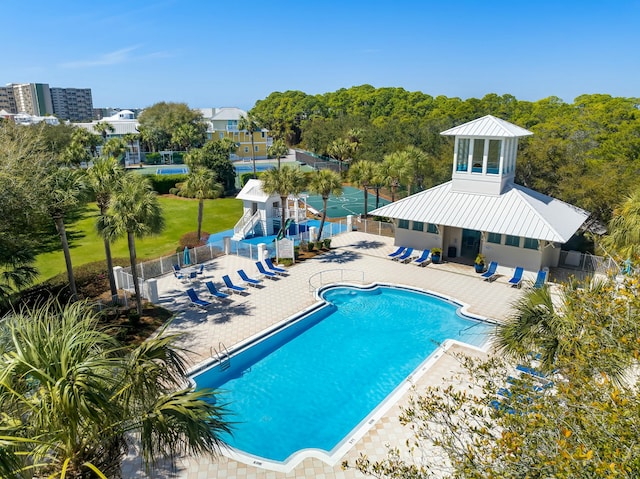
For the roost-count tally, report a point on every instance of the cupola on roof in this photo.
(488, 126)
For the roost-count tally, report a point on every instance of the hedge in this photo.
(163, 184)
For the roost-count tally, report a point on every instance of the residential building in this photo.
(223, 123)
(123, 123)
(7, 100)
(74, 104)
(482, 210)
(32, 98)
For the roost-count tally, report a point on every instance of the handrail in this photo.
(313, 288)
(247, 223)
(242, 221)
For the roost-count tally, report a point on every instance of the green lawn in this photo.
(181, 216)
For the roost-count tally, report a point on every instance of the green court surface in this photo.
(350, 203)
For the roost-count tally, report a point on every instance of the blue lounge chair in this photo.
(397, 252)
(540, 279)
(517, 277)
(531, 371)
(250, 281)
(214, 291)
(264, 272)
(490, 274)
(200, 269)
(423, 258)
(200, 303)
(232, 287)
(404, 257)
(273, 267)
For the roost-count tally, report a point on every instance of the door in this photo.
(470, 243)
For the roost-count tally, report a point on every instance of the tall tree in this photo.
(104, 177)
(201, 185)
(115, 148)
(104, 128)
(249, 124)
(278, 149)
(82, 147)
(134, 211)
(131, 139)
(71, 395)
(159, 122)
(342, 150)
(63, 191)
(187, 136)
(362, 174)
(215, 155)
(325, 183)
(283, 182)
(416, 168)
(393, 169)
(624, 228)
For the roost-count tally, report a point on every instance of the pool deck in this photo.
(355, 257)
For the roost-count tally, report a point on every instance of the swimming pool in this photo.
(172, 170)
(304, 388)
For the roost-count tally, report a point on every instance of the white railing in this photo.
(247, 222)
(321, 278)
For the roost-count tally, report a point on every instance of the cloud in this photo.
(117, 57)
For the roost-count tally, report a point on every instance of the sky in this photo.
(214, 53)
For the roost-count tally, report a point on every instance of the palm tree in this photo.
(362, 174)
(341, 150)
(416, 167)
(624, 228)
(325, 183)
(201, 184)
(135, 212)
(104, 128)
(278, 149)
(115, 147)
(248, 123)
(283, 182)
(104, 177)
(131, 139)
(393, 170)
(64, 189)
(70, 412)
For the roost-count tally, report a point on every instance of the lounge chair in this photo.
(517, 277)
(531, 371)
(274, 268)
(200, 303)
(200, 269)
(540, 279)
(232, 287)
(214, 291)
(397, 252)
(423, 259)
(264, 272)
(404, 257)
(490, 274)
(250, 281)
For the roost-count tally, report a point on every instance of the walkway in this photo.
(247, 315)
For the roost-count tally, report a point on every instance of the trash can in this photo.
(451, 252)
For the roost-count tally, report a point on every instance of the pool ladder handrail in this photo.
(222, 355)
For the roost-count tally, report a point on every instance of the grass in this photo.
(181, 216)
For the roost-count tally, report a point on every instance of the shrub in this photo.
(311, 246)
(190, 240)
(152, 159)
(162, 184)
(286, 261)
(173, 191)
(327, 243)
(244, 177)
(178, 158)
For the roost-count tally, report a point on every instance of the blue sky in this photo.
(232, 53)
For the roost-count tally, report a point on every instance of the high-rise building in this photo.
(7, 101)
(32, 98)
(73, 104)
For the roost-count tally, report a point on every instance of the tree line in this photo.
(586, 153)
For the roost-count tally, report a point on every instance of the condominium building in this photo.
(7, 101)
(32, 98)
(73, 104)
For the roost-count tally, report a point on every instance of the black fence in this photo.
(320, 162)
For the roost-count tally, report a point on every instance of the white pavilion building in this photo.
(482, 210)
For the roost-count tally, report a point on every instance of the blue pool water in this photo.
(173, 170)
(310, 383)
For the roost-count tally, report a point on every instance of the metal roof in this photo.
(487, 126)
(252, 191)
(518, 211)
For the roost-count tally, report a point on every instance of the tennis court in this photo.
(350, 203)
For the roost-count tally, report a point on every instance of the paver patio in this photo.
(355, 257)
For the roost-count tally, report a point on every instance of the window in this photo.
(493, 157)
(418, 226)
(246, 149)
(404, 224)
(262, 134)
(221, 135)
(512, 240)
(478, 155)
(494, 238)
(462, 160)
(531, 243)
(431, 228)
(255, 148)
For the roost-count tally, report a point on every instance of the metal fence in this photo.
(320, 162)
(583, 265)
(379, 228)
